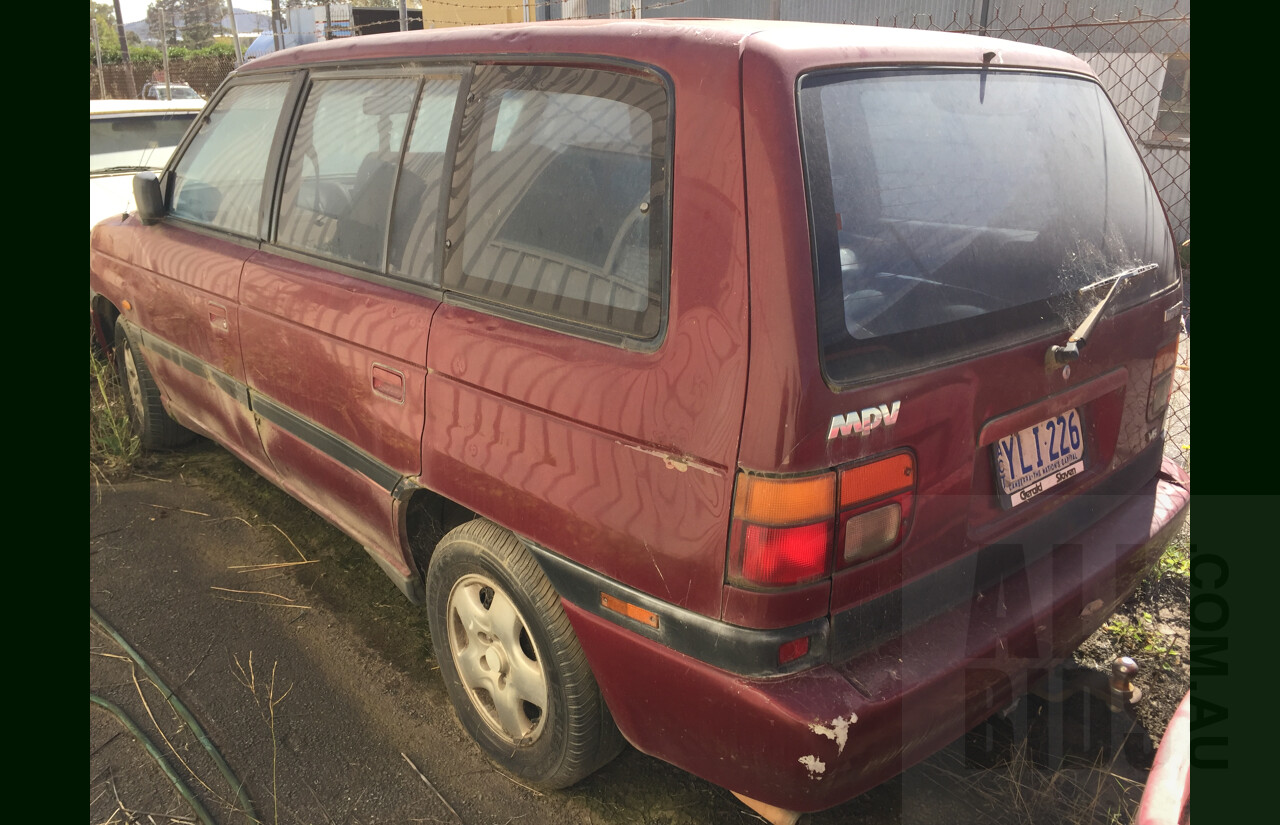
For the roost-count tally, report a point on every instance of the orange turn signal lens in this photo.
(868, 482)
(1162, 379)
(778, 502)
(629, 610)
(876, 500)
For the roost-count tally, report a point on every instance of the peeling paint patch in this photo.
(814, 766)
(838, 730)
(672, 462)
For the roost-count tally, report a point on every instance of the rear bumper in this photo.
(811, 740)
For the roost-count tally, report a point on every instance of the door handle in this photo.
(388, 383)
(218, 317)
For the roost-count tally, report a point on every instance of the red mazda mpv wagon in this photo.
(779, 398)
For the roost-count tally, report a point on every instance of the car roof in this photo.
(651, 40)
(120, 107)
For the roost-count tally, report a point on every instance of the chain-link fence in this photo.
(200, 73)
(1144, 62)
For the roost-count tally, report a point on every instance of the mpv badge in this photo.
(865, 421)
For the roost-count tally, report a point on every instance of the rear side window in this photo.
(415, 217)
(958, 211)
(219, 179)
(562, 211)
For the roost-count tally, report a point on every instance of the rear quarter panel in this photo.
(615, 458)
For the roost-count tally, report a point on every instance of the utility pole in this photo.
(97, 49)
(404, 15)
(124, 51)
(277, 29)
(235, 34)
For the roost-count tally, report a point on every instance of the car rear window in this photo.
(958, 211)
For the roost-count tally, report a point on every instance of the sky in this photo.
(135, 10)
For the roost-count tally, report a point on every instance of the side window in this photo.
(414, 218)
(561, 208)
(343, 166)
(219, 179)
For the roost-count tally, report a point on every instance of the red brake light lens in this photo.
(785, 555)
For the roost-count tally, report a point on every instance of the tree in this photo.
(103, 10)
(105, 15)
(170, 14)
(201, 20)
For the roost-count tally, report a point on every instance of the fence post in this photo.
(164, 46)
(97, 50)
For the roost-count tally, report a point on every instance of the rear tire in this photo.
(516, 675)
(153, 426)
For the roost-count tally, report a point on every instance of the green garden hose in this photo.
(201, 813)
(245, 805)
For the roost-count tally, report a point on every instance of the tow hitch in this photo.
(1116, 691)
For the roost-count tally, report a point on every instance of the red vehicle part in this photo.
(813, 739)
(1167, 798)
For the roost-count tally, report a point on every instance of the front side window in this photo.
(343, 166)
(562, 211)
(953, 212)
(220, 177)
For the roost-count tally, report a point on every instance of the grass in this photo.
(1137, 632)
(1018, 791)
(268, 712)
(1175, 561)
(1141, 635)
(113, 446)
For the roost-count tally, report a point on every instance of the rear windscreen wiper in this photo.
(1071, 351)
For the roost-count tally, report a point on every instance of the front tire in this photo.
(516, 675)
(153, 426)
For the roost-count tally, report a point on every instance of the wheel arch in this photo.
(103, 315)
(425, 516)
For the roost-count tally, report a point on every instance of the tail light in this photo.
(1162, 379)
(875, 505)
(782, 529)
(791, 531)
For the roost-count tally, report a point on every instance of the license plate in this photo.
(1040, 457)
